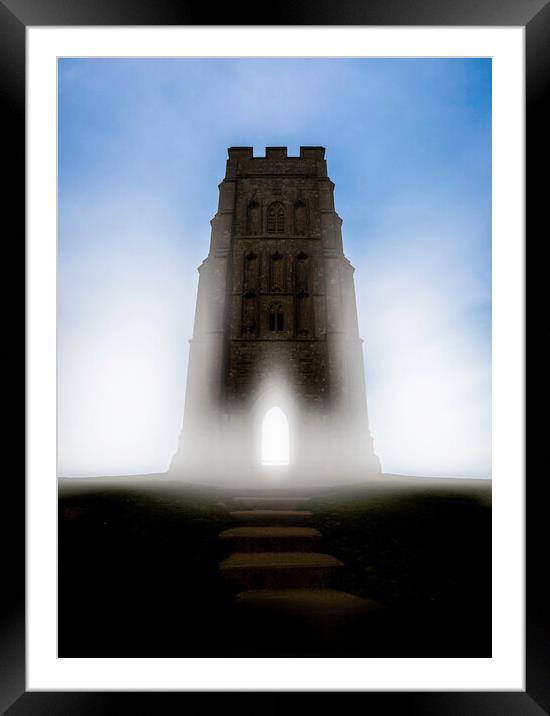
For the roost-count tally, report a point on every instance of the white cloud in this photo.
(127, 300)
(427, 365)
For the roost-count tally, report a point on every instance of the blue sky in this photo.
(142, 148)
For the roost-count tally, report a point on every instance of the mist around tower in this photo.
(275, 384)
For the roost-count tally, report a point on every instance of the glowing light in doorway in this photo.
(275, 438)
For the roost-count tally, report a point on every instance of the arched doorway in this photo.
(275, 438)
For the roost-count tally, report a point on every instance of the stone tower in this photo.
(276, 325)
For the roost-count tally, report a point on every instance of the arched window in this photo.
(253, 218)
(276, 318)
(276, 273)
(302, 271)
(276, 218)
(249, 312)
(303, 313)
(300, 218)
(251, 270)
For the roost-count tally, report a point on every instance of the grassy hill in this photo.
(138, 572)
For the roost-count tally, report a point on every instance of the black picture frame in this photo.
(15, 17)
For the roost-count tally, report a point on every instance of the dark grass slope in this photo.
(425, 554)
(138, 571)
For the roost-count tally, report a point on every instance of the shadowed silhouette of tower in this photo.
(276, 326)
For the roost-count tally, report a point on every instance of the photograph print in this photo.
(274, 357)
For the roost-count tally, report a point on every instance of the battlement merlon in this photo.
(242, 162)
(241, 153)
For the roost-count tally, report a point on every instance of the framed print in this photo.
(111, 605)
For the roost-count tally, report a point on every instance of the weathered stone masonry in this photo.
(276, 321)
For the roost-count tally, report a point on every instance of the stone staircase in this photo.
(277, 567)
(272, 539)
(271, 518)
(280, 570)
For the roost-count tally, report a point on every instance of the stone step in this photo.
(271, 517)
(271, 539)
(307, 602)
(280, 570)
(294, 620)
(270, 503)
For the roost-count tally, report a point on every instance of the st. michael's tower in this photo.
(276, 330)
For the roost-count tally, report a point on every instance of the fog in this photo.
(142, 147)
